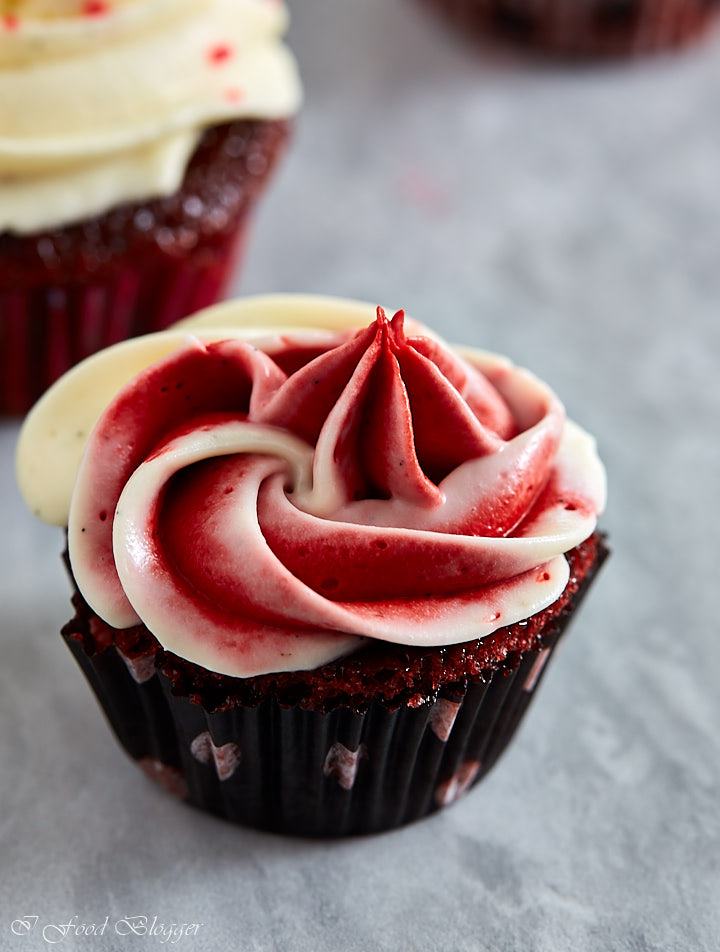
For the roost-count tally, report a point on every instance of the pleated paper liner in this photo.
(46, 331)
(308, 772)
(592, 28)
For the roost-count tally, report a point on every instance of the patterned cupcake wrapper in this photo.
(588, 27)
(48, 329)
(289, 770)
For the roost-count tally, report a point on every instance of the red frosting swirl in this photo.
(263, 510)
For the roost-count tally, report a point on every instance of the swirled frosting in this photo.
(268, 503)
(103, 101)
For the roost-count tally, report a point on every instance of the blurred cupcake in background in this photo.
(136, 137)
(586, 27)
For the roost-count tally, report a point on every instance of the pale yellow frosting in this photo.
(103, 102)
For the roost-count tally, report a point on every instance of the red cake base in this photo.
(586, 28)
(364, 744)
(69, 292)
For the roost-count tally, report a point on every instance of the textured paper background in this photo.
(572, 220)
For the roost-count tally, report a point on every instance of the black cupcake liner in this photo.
(304, 772)
(289, 770)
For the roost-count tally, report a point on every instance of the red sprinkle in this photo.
(10, 21)
(220, 53)
(234, 94)
(95, 8)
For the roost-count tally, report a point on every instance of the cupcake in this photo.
(136, 137)
(586, 27)
(320, 559)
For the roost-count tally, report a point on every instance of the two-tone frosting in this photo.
(104, 101)
(268, 500)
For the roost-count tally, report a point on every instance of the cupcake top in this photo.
(276, 481)
(104, 101)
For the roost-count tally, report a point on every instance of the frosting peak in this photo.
(392, 416)
(264, 504)
(371, 406)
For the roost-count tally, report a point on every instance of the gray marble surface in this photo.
(572, 220)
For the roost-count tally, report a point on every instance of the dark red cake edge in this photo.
(394, 674)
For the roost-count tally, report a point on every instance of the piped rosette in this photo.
(269, 504)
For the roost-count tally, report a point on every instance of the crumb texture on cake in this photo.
(393, 674)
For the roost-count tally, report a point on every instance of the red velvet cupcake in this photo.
(586, 27)
(135, 142)
(320, 561)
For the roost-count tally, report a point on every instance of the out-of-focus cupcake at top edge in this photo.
(579, 28)
(136, 137)
(320, 558)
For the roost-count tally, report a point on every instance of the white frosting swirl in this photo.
(263, 508)
(104, 101)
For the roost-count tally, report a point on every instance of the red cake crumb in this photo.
(95, 8)
(395, 674)
(220, 53)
